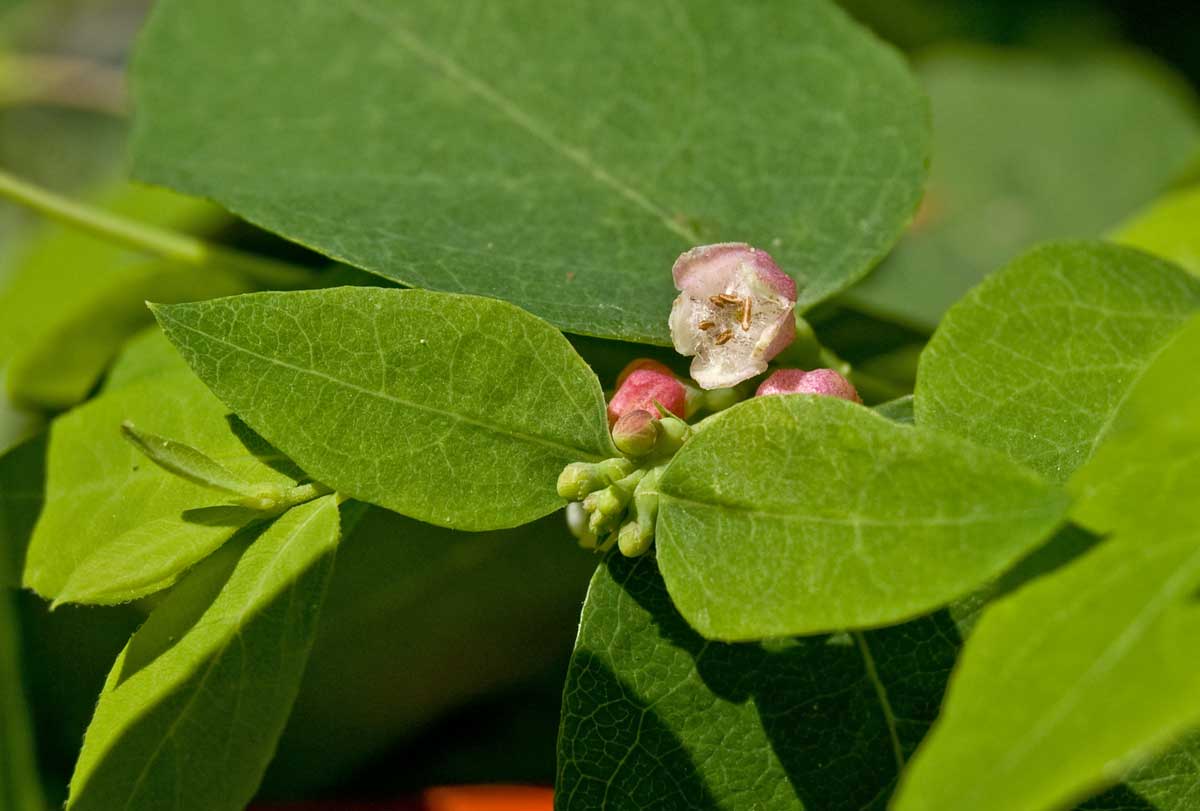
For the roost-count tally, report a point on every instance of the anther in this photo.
(724, 337)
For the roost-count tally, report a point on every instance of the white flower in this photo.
(733, 314)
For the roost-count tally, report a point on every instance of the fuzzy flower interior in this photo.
(733, 313)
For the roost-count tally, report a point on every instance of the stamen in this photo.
(746, 305)
(717, 301)
(729, 298)
(723, 338)
(706, 325)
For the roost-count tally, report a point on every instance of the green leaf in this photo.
(1167, 783)
(557, 156)
(115, 526)
(438, 621)
(455, 410)
(147, 354)
(797, 514)
(1081, 674)
(1168, 229)
(74, 299)
(898, 410)
(1035, 361)
(192, 709)
(654, 716)
(1017, 159)
(20, 785)
(22, 491)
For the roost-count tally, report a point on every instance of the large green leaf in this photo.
(115, 526)
(456, 410)
(439, 619)
(654, 716)
(74, 298)
(556, 155)
(192, 709)
(1170, 228)
(20, 784)
(1037, 359)
(1069, 681)
(1027, 149)
(798, 514)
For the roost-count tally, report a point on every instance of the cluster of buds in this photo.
(733, 315)
(615, 502)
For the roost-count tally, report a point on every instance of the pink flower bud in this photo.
(643, 363)
(636, 433)
(733, 314)
(825, 382)
(641, 388)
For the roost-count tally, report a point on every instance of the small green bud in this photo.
(673, 432)
(721, 399)
(635, 433)
(606, 507)
(580, 478)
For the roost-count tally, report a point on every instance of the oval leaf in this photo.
(796, 514)
(455, 410)
(191, 711)
(560, 156)
(1035, 361)
(1068, 681)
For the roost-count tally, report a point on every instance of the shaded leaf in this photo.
(654, 716)
(115, 526)
(73, 298)
(1017, 159)
(420, 620)
(455, 410)
(1035, 361)
(20, 784)
(22, 491)
(798, 514)
(898, 410)
(560, 157)
(192, 709)
(1071, 680)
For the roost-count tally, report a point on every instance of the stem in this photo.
(63, 81)
(305, 492)
(162, 242)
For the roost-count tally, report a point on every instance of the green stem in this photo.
(162, 242)
(305, 492)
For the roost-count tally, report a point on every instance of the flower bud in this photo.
(577, 523)
(605, 508)
(642, 388)
(733, 313)
(643, 363)
(580, 478)
(636, 433)
(825, 382)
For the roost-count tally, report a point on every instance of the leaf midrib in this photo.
(858, 521)
(568, 451)
(473, 84)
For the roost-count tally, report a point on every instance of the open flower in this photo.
(733, 313)
(825, 382)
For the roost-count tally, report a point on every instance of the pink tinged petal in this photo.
(824, 382)
(733, 314)
(641, 389)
